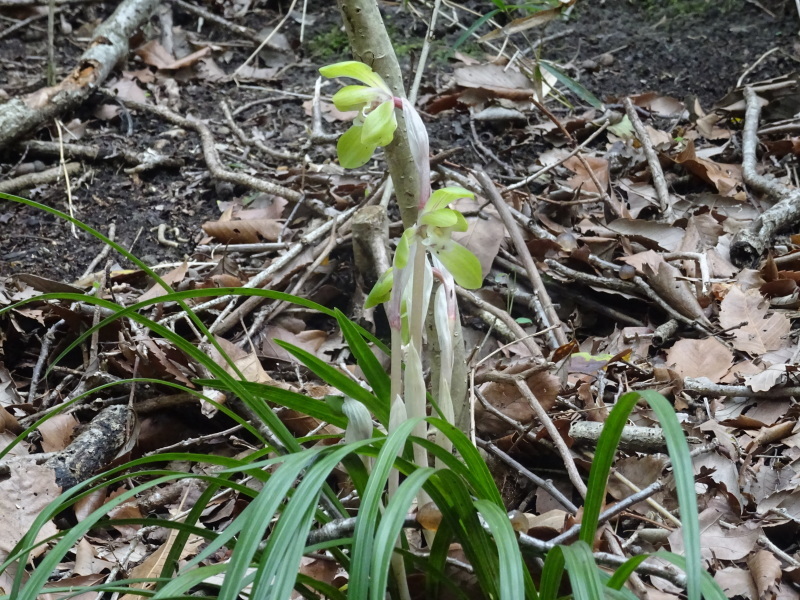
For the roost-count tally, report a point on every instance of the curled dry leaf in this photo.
(678, 293)
(251, 231)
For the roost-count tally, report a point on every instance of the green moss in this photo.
(330, 44)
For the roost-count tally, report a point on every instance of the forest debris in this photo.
(108, 46)
(750, 244)
(760, 334)
(94, 448)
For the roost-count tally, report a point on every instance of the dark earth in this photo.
(684, 48)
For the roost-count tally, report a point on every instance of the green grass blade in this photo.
(625, 570)
(339, 380)
(552, 574)
(473, 28)
(371, 502)
(572, 85)
(389, 530)
(584, 574)
(277, 571)
(710, 588)
(373, 371)
(451, 495)
(511, 580)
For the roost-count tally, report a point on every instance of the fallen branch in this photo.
(31, 180)
(109, 45)
(750, 244)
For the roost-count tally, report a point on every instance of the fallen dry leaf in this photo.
(760, 333)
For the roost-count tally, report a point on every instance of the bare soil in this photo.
(684, 49)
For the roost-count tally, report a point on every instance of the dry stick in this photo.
(535, 479)
(109, 45)
(241, 30)
(750, 244)
(24, 182)
(423, 55)
(555, 436)
(215, 166)
(249, 305)
(267, 39)
(264, 247)
(283, 260)
(20, 24)
(662, 192)
(548, 168)
(318, 134)
(549, 317)
(584, 163)
(141, 161)
(514, 328)
(47, 342)
(702, 385)
(254, 142)
(112, 232)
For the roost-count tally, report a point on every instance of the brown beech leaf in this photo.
(678, 293)
(700, 358)
(761, 333)
(582, 179)
(175, 276)
(496, 80)
(726, 178)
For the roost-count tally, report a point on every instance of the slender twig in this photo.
(533, 477)
(662, 192)
(549, 316)
(555, 437)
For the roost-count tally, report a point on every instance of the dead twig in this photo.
(515, 330)
(750, 244)
(251, 141)
(109, 45)
(140, 161)
(30, 180)
(548, 316)
(531, 476)
(662, 192)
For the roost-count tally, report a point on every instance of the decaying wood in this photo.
(108, 46)
(634, 439)
(93, 449)
(749, 244)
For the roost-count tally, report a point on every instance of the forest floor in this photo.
(683, 63)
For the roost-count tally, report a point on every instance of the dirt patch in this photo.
(683, 49)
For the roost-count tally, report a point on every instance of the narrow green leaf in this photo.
(373, 371)
(364, 534)
(338, 380)
(572, 85)
(388, 531)
(474, 27)
(510, 559)
(584, 574)
(710, 588)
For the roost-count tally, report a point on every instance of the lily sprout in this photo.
(376, 122)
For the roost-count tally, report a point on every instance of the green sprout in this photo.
(376, 122)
